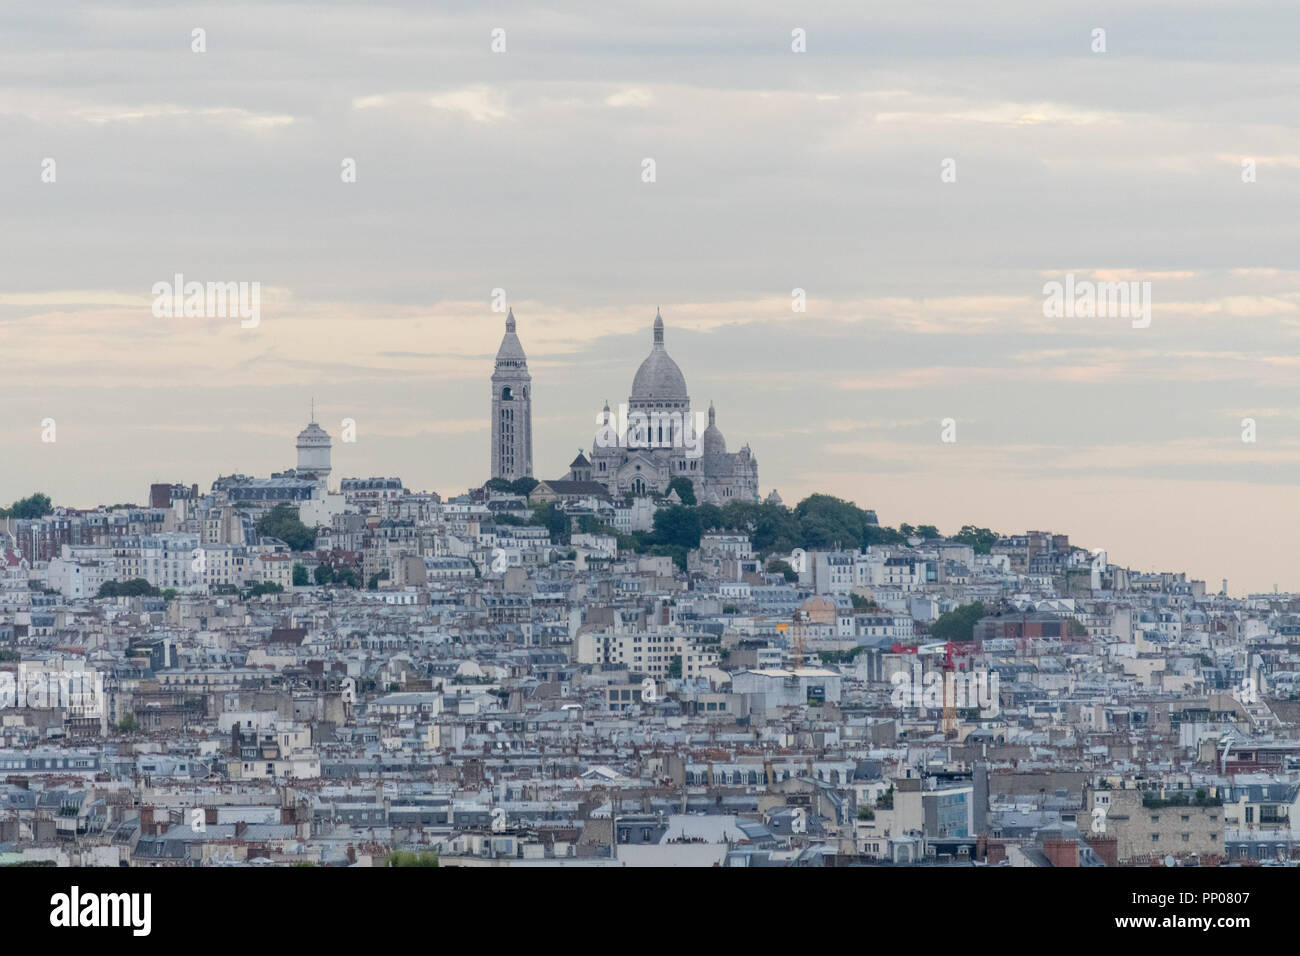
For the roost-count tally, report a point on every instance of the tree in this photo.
(403, 858)
(874, 534)
(35, 505)
(497, 484)
(300, 578)
(524, 486)
(282, 522)
(777, 566)
(928, 531)
(981, 539)
(828, 522)
(710, 517)
(128, 724)
(677, 526)
(959, 623)
(136, 587)
(554, 520)
(861, 603)
(675, 667)
(347, 577)
(265, 587)
(590, 524)
(169, 594)
(685, 489)
(323, 574)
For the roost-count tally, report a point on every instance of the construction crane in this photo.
(948, 649)
(949, 693)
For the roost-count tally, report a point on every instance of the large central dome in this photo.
(659, 379)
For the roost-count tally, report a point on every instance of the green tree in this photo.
(677, 526)
(136, 587)
(403, 858)
(590, 524)
(777, 566)
(675, 667)
(710, 517)
(128, 724)
(685, 489)
(347, 577)
(300, 578)
(959, 623)
(282, 522)
(524, 486)
(265, 587)
(323, 574)
(36, 505)
(498, 484)
(874, 534)
(981, 539)
(928, 531)
(861, 603)
(554, 520)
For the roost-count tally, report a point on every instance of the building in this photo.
(314, 452)
(512, 409)
(661, 440)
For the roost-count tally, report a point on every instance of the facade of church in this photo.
(661, 439)
(657, 440)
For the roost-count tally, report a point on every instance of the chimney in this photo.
(1061, 853)
(1106, 847)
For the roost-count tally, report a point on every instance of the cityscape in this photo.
(644, 661)
(854, 442)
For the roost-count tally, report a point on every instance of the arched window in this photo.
(506, 395)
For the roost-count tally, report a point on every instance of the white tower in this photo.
(314, 451)
(512, 409)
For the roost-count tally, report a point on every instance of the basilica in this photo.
(653, 439)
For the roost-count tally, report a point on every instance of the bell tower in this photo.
(512, 409)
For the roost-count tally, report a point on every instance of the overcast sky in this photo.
(774, 170)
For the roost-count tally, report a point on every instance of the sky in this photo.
(921, 171)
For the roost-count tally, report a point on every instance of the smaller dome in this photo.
(714, 445)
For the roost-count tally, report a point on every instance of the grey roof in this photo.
(659, 379)
(511, 350)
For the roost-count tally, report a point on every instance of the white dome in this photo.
(659, 379)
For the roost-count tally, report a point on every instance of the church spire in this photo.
(510, 320)
(659, 328)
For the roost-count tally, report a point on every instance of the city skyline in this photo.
(823, 171)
